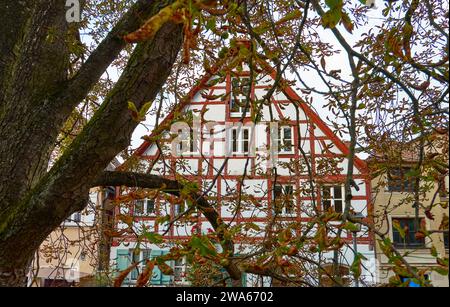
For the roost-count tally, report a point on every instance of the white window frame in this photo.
(283, 186)
(180, 267)
(177, 208)
(332, 197)
(238, 137)
(281, 140)
(186, 143)
(241, 98)
(145, 210)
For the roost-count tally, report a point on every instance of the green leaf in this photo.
(132, 107)
(203, 247)
(211, 23)
(253, 226)
(361, 106)
(331, 18)
(348, 25)
(145, 109)
(350, 227)
(399, 228)
(333, 3)
(154, 237)
(355, 268)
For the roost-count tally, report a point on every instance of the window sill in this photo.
(286, 152)
(239, 115)
(412, 248)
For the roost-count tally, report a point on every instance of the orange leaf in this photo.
(123, 274)
(145, 275)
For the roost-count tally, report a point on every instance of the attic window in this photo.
(240, 90)
(187, 142)
(400, 180)
(285, 140)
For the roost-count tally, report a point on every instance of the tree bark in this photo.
(39, 98)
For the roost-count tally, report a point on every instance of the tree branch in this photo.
(108, 50)
(129, 179)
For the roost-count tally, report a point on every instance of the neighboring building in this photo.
(69, 252)
(73, 254)
(393, 203)
(221, 98)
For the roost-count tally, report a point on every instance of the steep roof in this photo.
(284, 87)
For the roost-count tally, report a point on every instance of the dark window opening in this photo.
(283, 197)
(401, 180)
(332, 197)
(409, 228)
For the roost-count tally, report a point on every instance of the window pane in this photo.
(234, 107)
(288, 190)
(139, 207)
(245, 149)
(326, 204)
(338, 206)
(287, 133)
(234, 140)
(287, 145)
(277, 191)
(409, 241)
(289, 208)
(150, 206)
(326, 192)
(246, 134)
(245, 140)
(338, 192)
(146, 254)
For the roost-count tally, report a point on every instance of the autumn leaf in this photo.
(123, 274)
(428, 214)
(146, 274)
(407, 33)
(348, 25)
(323, 63)
(149, 29)
(399, 228)
(165, 269)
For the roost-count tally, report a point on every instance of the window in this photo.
(75, 217)
(178, 270)
(143, 207)
(400, 181)
(137, 258)
(240, 140)
(409, 240)
(332, 197)
(240, 89)
(178, 209)
(157, 278)
(285, 140)
(186, 145)
(283, 197)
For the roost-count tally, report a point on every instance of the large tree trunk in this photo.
(36, 99)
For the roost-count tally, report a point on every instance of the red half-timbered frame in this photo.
(313, 121)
